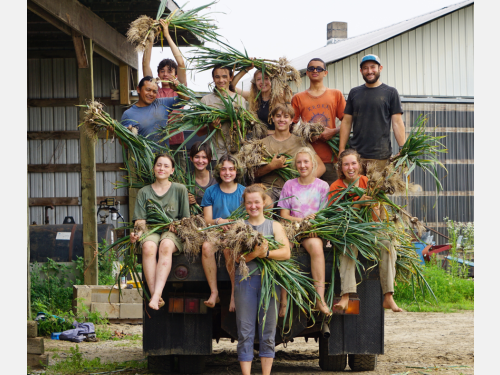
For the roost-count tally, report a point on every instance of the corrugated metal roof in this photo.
(350, 46)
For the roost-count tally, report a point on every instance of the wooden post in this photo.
(124, 84)
(29, 277)
(88, 173)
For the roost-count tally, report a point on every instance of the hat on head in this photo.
(370, 58)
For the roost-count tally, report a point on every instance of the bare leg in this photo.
(149, 249)
(167, 248)
(246, 367)
(267, 364)
(389, 303)
(314, 246)
(283, 304)
(230, 270)
(342, 305)
(210, 268)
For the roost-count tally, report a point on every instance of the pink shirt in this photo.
(167, 92)
(305, 199)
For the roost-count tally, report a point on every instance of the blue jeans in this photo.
(247, 300)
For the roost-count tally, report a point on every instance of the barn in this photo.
(429, 59)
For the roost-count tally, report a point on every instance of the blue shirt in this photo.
(149, 119)
(223, 204)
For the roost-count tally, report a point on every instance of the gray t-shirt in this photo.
(175, 202)
(266, 228)
(199, 190)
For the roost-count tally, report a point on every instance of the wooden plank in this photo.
(63, 134)
(35, 359)
(32, 330)
(62, 168)
(69, 201)
(35, 345)
(69, 102)
(81, 54)
(88, 173)
(124, 84)
(72, 15)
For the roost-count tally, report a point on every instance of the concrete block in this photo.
(102, 295)
(82, 296)
(131, 295)
(32, 329)
(112, 309)
(35, 359)
(130, 310)
(35, 346)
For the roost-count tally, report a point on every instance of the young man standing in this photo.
(320, 104)
(168, 70)
(370, 110)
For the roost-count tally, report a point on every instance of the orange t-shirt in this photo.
(324, 109)
(339, 185)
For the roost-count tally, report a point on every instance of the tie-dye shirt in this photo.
(304, 199)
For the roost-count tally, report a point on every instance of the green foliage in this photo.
(76, 364)
(452, 293)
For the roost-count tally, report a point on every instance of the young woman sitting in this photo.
(201, 155)
(349, 170)
(300, 199)
(173, 198)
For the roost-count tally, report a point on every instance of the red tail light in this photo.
(181, 272)
(192, 305)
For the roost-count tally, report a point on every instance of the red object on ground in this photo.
(427, 253)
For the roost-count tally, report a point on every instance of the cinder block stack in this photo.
(36, 351)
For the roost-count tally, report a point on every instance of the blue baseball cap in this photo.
(370, 58)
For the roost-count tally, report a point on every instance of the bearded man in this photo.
(370, 110)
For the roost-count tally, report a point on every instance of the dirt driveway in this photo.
(415, 343)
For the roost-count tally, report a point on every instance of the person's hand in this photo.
(225, 228)
(278, 162)
(134, 237)
(171, 228)
(260, 251)
(393, 157)
(327, 134)
(309, 217)
(216, 124)
(313, 235)
(250, 67)
(365, 198)
(192, 199)
(164, 25)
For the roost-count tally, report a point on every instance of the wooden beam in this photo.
(88, 172)
(81, 55)
(69, 201)
(72, 15)
(65, 168)
(63, 134)
(124, 84)
(28, 269)
(68, 102)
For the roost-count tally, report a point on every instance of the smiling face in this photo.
(304, 164)
(200, 160)
(350, 167)
(282, 121)
(370, 71)
(148, 92)
(263, 85)
(254, 204)
(228, 172)
(163, 168)
(222, 79)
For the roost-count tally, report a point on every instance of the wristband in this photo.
(217, 221)
(400, 148)
(267, 256)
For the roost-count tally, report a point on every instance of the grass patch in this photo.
(76, 364)
(452, 292)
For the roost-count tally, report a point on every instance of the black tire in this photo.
(330, 362)
(161, 364)
(191, 364)
(363, 362)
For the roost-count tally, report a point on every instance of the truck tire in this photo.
(362, 362)
(161, 364)
(191, 364)
(330, 362)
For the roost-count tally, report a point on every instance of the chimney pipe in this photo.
(336, 32)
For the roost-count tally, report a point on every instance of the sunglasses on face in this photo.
(319, 69)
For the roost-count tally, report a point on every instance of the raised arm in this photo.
(146, 60)
(345, 130)
(181, 66)
(236, 79)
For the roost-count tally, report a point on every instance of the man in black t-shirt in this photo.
(370, 110)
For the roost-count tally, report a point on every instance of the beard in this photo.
(375, 79)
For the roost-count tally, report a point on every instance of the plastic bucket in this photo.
(419, 246)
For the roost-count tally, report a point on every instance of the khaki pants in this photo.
(381, 164)
(387, 269)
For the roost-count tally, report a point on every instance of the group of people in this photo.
(369, 111)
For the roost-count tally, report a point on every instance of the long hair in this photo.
(343, 154)
(236, 163)
(200, 146)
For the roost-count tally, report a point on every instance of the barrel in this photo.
(62, 242)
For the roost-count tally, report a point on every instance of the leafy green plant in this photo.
(462, 246)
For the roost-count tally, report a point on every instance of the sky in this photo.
(271, 29)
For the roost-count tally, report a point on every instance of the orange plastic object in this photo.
(352, 307)
(175, 305)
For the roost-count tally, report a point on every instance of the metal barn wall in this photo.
(57, 78)
(436, 59)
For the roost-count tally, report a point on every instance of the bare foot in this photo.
(343, 303)
(154, 302)
(282, 311)
(214, 298)
(389, 303)
(161, 303)
(232, 305)
(321, 306)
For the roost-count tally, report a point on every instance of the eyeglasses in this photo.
(319, 69)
